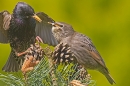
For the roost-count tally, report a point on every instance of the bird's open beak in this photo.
(55, 24)
(37, 18)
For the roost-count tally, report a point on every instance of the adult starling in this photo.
(79, 47)
(20, 29)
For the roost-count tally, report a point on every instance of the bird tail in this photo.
(11, 64)
(105, 72)
(110, 79)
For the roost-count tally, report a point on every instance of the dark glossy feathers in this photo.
(42, 29)
(20, 30)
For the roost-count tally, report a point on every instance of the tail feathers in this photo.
(105, 72)
(110, 79)
(11, 64)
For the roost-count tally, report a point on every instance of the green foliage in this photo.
(44, 74)
(40, 72)
(106, 22)
(12, 80)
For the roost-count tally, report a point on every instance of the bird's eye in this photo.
(61, 25)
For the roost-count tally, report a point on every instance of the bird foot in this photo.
(28, 65)
(22, 53)
(39, 39)
(76, 83)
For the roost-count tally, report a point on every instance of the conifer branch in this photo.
(47, 73)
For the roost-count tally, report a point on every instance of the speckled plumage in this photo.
(20, 30)
(21, 33)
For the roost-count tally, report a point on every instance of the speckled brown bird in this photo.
(77, 47)
(21, 29)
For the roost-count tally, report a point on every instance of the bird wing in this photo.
(5, 18)
(44, 30)
(83, 44)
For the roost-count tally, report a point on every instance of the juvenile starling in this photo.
(20, 29)
(81, 47)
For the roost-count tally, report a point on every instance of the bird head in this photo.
(61, 30)
(24, 10)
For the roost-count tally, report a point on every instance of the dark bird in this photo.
(77, 47)
(21, 29)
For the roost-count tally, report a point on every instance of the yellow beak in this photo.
(37, 18)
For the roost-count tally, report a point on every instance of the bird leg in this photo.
(39, 39)
(25, 52)
(28, 65)
(22, 53)
(76, 83)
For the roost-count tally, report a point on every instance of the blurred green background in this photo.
(106, 22)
